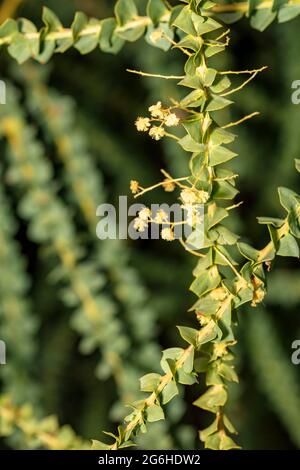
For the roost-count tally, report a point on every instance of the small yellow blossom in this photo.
(203, 196)
(188, 196)
(169, 185)
(156, 110)
(258, 297)
(142, 124)
(259, 292)
(202, 319)
(134, 186)
(167, 234)
(219, 293)
(140, 224)
(161, 217)
(145, 213)
(220, 349)
(193, 216)
(172, 120)
(156, 132)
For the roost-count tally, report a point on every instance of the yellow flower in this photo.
(203, 196)
(140, 224)
(203, 320)
(258, 297)
(167, 234)
(134, 186)
(169, 185)
(156, 110)
(156, 132)
(145, 213)
(193, 216)
(188, 196)
(161, 217)
(142, 124)
(193, 196)
(172, 120)
(218, 293)
(220, 349)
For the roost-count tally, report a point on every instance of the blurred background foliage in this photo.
(83, 319)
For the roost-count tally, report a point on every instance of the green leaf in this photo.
(228, 372)
(224, 235)
(194, 128)
(184, 21)
(204, 26)
(154, 413)
(288, 12)
(224, 190)
(248, 251)
(220, 136)
(288, 246)
(190, 145)
(212, 399)
(170, 353)
(211, 429)
(189, 335)
(109, 41)
(261, 19)
(227, 443)
(220, 84)
(252, 4)
(294, 220)
(213, 441)
(188, 365)
(212, 376)
(297, 165)
(288, 198)
(8, 28)
(228, 424)
(186, 379)
(46, 52)
(194, 43)
(202, 265)
(156, 9)
(207, 333)
(51, 20)
(79, 23)
(149, 382)
(219, 154)
(98, 445)
(20, 48)
(86, 44)
(125, 11)
(169, 392)
(215, 215)
(193, 99)
(270, 221)
(158, 37)
(217, 102)
(206, 282)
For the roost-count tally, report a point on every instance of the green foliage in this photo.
(18, 325)
(37, 434)
(222, 281)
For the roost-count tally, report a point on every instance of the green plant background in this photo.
(55, 360)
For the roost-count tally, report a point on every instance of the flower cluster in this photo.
(190, 198)
(194, 196)
(145, 217)
(162, 117)
(134, 187)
